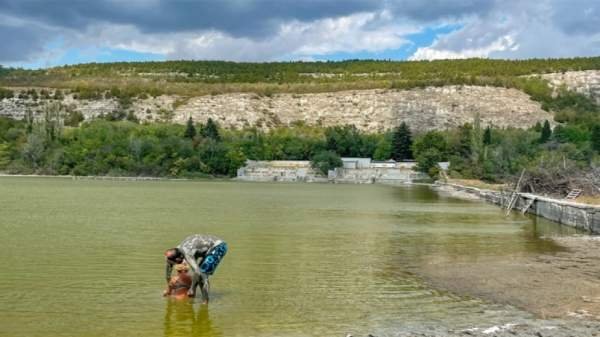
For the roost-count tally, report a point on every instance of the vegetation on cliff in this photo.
(212, 77)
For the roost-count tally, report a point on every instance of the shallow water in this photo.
(84, 258)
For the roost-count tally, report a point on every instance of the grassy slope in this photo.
(214, 77)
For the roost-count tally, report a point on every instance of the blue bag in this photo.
(213, 258)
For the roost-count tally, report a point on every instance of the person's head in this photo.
(174, 256)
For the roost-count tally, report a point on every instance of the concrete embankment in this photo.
(353, 171)
(581, 216)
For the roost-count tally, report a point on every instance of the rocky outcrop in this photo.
(369, 110)
(584, 82)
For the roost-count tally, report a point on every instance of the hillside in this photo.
(489, 119)
(192, 78)
(372, 95)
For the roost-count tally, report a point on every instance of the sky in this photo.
(46, 33)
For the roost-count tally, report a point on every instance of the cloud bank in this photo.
(268, 30)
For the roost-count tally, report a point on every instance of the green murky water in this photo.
(84, 258)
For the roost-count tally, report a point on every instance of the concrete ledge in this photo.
(581, 216)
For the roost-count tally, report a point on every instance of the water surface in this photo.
(84, 258)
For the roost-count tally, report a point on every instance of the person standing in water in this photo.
(202, 253)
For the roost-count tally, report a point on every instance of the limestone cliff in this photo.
(370, 110)
(584, 82)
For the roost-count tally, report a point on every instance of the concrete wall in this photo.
(586, 217)
(300, 171)
(279, 170)
(402, 173)
(581, 216)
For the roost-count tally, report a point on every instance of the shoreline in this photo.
(562, 285)
(565, 212)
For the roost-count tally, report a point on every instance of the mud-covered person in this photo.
(179, 284)
(202, 253)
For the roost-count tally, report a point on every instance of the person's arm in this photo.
(168, 271)
(192, 263)
(169, 289)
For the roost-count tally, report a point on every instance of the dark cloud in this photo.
(577, 16)
(432, 10)
(247, 18)
(19, 43)
(217, 28)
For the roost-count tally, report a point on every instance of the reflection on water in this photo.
(184, 318)
(84, 258)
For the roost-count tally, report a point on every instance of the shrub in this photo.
(324, 161)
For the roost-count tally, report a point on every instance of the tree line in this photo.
(187, 77)
(102, 147)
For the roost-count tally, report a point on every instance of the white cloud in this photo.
(523, 29)
(267, 30)
(293, 40)
(503, 43)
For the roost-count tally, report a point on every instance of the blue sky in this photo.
(36, 35)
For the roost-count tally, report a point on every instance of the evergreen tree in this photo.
(476, 140)
(190, 129)
(464, 140)
(211, 130)
(4, 155)
(546, 132)
(487, 136)
(596, 137)
(402, 143)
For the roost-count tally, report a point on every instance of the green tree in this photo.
(4, 155)
(487, 136)
(73, 118)
(465, 135)
(476, 140)
(546, 132)
(431, 140)
(402, 143)
(344, 140)
(428, 160)
(53, 121)
(190, 129)
(325, 161)
(211, 130)
(383, 151)
(33, 150)
(595, 137)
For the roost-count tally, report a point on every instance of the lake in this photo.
(85, 257)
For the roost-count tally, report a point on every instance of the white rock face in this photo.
(584, 82)
(369, 110)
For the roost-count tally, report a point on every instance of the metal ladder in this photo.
(515, 195)
(573, 194)
(528, 205)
